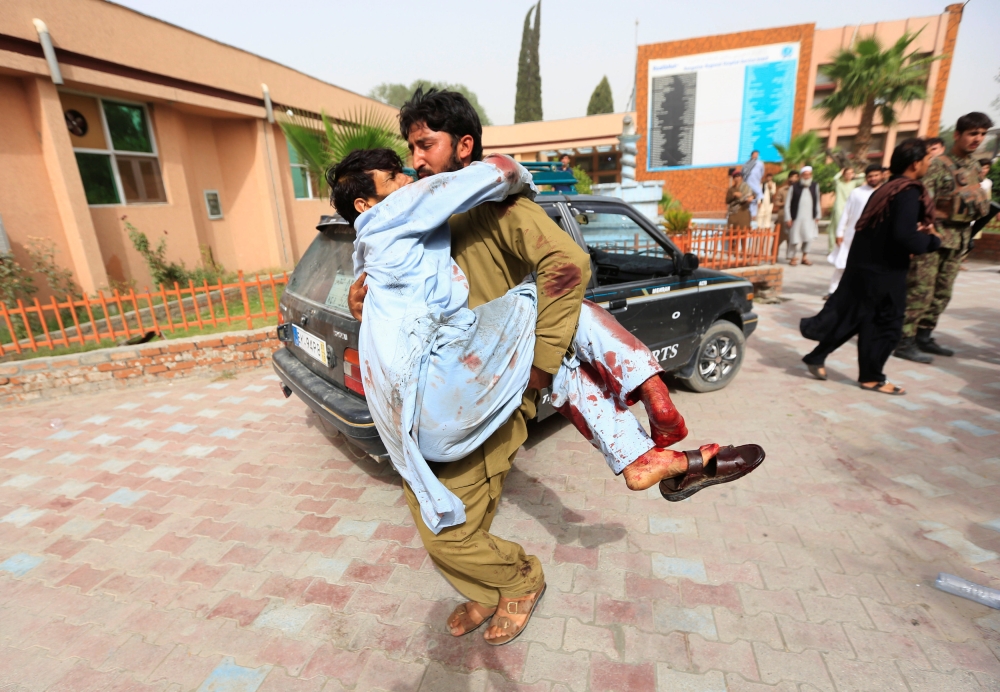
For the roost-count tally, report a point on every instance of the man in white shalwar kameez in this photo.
(853, 208)
(801, 214)
(753, 175)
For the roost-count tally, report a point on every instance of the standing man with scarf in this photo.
(897, 222)
(801, 215)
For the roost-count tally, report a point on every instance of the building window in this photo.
(304, 182)
(115, 150)
(602, 163)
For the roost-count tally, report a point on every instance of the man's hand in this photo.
(356, 297)
(840, 241)
(539, 379)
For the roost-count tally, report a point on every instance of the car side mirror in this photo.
(582, 219)
(687, 264)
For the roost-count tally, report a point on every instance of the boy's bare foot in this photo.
(666, 425)
(658, 463)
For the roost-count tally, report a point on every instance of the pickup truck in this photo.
(694, 320)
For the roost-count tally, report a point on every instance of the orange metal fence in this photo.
(717, 247)
(114, 315)
(724, 247)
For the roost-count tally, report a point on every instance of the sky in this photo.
(357, 45)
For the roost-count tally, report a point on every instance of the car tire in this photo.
(719, 357)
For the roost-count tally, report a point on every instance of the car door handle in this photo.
(617, 306)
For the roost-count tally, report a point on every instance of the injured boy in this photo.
(440, 378)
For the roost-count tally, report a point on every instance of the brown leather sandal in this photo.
(521, 606)
(729, 464)
(461, 617)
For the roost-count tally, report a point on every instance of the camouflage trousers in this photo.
(929, 285)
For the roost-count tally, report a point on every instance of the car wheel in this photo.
(720, 355)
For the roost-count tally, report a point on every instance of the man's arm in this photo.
(904, 210)
(562, 269)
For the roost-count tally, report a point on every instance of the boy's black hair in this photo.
(973, 121)
(443, 111)
(873, 168)
(907, 153)
(352, 178)
(931, 141)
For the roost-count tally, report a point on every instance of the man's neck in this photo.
(958, 152)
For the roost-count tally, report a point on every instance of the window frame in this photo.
(310, 187)
(111, 153)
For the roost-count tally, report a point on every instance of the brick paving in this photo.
(207, 535)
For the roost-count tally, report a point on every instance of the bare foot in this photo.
(666, 425)
(658, 463)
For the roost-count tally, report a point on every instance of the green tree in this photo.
(397, 94)
(359, 129)
(601, 100)
(807, 149)
(528, 99)
(875, 81)
(584, 183)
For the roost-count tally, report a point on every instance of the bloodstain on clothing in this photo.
(471, 361)
(577, 419)
(562, 280)
(503, 208)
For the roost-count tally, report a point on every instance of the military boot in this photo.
(908, 349)
(926, 343)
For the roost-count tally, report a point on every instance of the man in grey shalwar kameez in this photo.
(801, 214)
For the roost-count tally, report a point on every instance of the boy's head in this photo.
(443, 131)
(364, 178)
(910, 155)
(873, 174)
(935, 145)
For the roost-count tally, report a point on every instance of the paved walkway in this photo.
(206, 535)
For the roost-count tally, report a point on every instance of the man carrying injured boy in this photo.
(448, 384)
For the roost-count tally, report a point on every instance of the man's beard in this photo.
(454, 164)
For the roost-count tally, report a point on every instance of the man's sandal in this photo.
(880, 387)
(729, 464)
(521, 606)
(806, 261)
(793, 262)
(465, 620)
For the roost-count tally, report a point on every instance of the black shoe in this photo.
(926, 343)
(908, 350)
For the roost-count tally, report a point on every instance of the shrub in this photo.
(15, 281)
(583, 181)
(164, 273)
(676, 220)
(43, 261)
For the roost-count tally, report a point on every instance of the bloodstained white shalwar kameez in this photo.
(855, 204)
(441, 378)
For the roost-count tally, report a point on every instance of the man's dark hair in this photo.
(352, 178)
(443, 111)
(986, 162)
(932, 141)
(792, 172)
(755, 151)
(565, 156)
(973, 121)
(873, 168)
(907, 153)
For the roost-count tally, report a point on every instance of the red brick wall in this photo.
(767, 279)
(703, 190)
(987, 248)
(42, 378)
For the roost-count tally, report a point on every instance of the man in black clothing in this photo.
(871, 299)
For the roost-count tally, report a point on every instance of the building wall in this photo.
(206, 112)
(703, 190)
(27, 203)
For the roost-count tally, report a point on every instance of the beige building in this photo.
(591, 141)
(135, 117)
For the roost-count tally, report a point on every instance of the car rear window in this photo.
(325, 273)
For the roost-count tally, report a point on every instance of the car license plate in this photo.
(312, 345)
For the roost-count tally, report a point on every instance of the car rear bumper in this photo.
(346, 412)
(749, 323)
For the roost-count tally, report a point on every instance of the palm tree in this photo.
(875, 80)
(806, 149)
(359, 129)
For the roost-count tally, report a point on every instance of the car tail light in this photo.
(352, 371)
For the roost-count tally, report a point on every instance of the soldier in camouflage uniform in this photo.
(953, 182)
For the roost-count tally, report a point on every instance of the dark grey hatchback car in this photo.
(694, 320)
